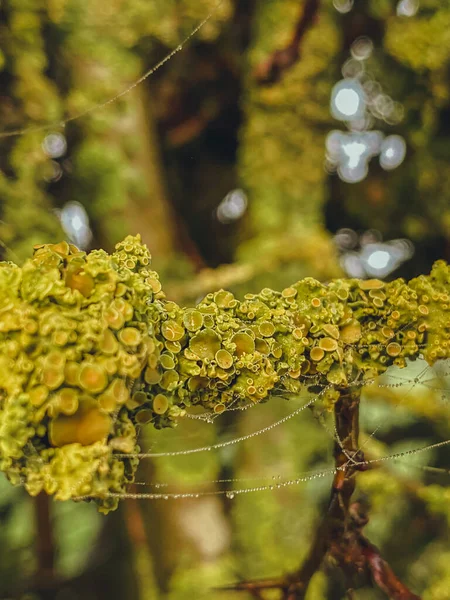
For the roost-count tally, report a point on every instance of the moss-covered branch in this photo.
(90, 348)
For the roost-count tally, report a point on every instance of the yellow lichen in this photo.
(79, 371)
(160, 404)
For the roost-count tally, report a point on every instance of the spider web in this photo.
(404, 396)
(418, 391)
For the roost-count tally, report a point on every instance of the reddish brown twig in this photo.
(355, 554)
(339, 536)
(271, 70)
(383, 575)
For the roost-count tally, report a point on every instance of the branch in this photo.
(340, 533)
(45, 579)
(271, 70)
(287, 251)
(92, 349)
(383, 575)
(336, 520)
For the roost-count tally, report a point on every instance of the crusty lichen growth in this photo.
(90, 348)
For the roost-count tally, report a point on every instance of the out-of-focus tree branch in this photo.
(271, 70)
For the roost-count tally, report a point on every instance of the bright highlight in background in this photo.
(350, 153)
(54, 145)
(407, 8)
(355, 151)
(374, 258)
(378, 259)
(343, 6)
(232, 207)
(347, 100)
(392, 152)
(362, 48)
(353, 174)
(75, 222)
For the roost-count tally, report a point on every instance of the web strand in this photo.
(124, 92)
(420, 378)
(397, 456)
(219, 445)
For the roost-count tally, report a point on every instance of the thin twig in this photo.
(340, 533)
(383, 575)
(45, 580)
(271, 70)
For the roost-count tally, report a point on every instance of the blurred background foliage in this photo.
(227, 169)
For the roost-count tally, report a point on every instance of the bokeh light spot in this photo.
(347, 100)
(407, 8)
(232, 207)
(392, 152)
(343, 6)
(379, 259)
(75, 222)
(362, 48)
(54, 145)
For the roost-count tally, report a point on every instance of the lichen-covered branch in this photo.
(90, 348)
